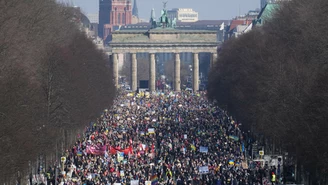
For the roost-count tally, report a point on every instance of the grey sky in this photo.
(208, 9)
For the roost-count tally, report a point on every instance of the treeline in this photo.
(275, 79)
(53, 82)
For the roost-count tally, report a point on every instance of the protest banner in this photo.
(96, 150)
(134, 182)
(203, 149)
(151, 131)
(120, 156)
(203, 169)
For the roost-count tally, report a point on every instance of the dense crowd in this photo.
(160, 138)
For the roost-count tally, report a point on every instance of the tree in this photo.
(53, 82)
(274, 80)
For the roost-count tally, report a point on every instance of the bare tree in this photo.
(53, 81)
(274, 80)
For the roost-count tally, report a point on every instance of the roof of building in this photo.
(235, 23)
(204, 22)
(268, 11)
(201, 24)
(135, 9)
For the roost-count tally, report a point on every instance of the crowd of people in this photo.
(160, 138)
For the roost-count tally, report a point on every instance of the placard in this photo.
(203, 169)
(203, 149)
(134, 182)
(151, 131)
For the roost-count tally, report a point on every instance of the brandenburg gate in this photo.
(162, 38)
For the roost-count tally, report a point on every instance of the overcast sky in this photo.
(208, 9)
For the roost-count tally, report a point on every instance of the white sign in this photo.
(134, 182)
(147, 182)
(151, 130)
(203, 169)
(203, 149)
(185, 136)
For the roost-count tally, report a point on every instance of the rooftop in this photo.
(198, 25)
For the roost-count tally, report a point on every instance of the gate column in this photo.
(214, 59)
(152, 72)
(134, 72)
(115, 68)
(195, 73)
(177, 83)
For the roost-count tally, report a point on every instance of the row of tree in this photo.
(54, 81)
(275, 79)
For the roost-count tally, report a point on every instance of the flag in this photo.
(192, 147)
(154, 180)
(153, 148)
(236, 138)
(120, 156)
(96, 150)
(222, 26)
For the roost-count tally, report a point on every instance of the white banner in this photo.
(134, 182)
(203, 149)
(203, 169)
(151, 130)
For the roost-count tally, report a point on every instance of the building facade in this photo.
(94, 18)
(183, 14)
(113, 13)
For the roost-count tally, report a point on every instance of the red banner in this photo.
(96, 150)
(126, 151)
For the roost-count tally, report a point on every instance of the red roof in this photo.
(235, 23)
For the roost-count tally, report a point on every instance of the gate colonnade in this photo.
(162, 41)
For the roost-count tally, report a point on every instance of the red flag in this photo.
(153, 148)
(128, 150)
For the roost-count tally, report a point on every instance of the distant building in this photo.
(199, 25)
(135, 9)
(113, 13)
(93, 18)
(241, 24)
(266, 13)
(135, 14)
(183, 14)
(264, 2)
